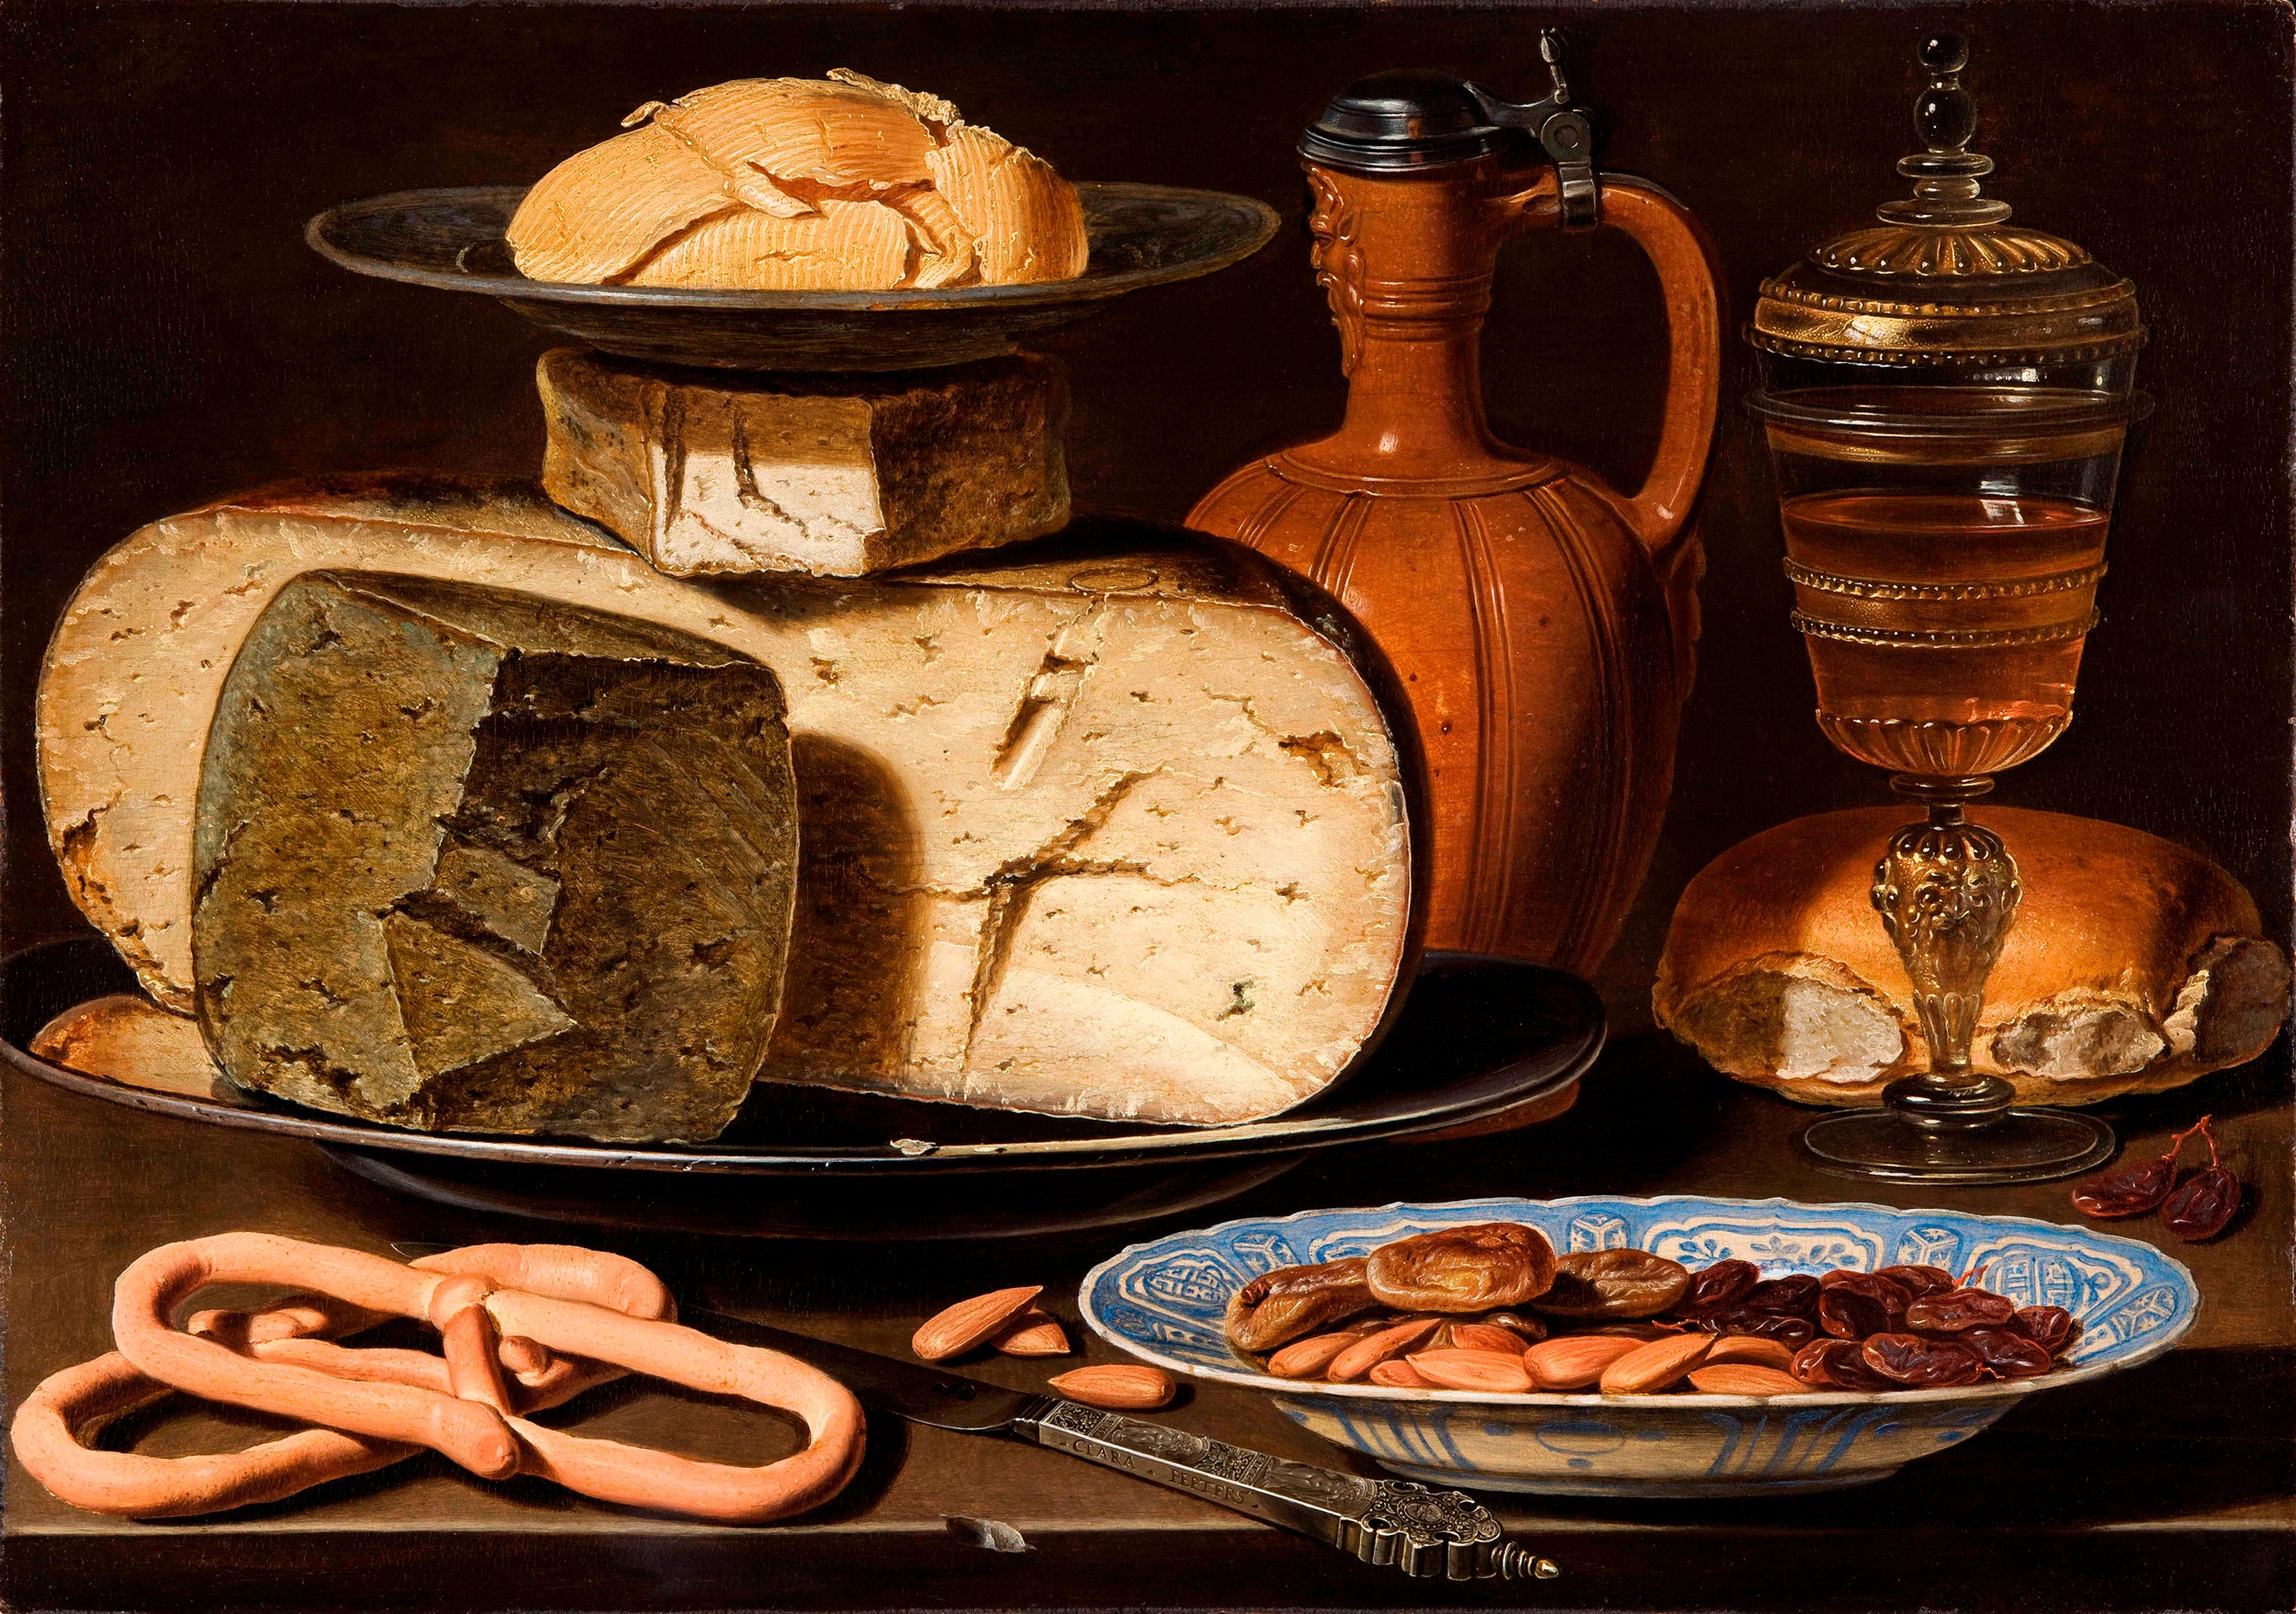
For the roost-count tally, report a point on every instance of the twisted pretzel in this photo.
(560, 1319)
(55, 1423)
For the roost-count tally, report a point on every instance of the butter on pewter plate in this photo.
(1165, 1303)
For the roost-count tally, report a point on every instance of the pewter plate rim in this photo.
(322, 231)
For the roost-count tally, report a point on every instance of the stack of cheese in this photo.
(439, 807)
(792, 183)
(436, 804)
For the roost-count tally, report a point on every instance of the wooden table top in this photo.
(2167, 1484)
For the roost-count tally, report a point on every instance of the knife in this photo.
(1426, 1533)
(1423, 1532)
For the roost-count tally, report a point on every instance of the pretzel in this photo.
(472, 1419)
(54, 1425)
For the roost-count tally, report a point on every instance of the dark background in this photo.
(169, 338)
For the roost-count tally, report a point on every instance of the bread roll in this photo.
(2134, 965)
(800, 185)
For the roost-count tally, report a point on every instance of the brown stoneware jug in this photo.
(1541, 622)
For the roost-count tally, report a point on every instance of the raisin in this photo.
(1720, 1288)
(1851, 1305)
(1920, 1280)
(2049, 1326)
(2133, 1190)
(1789, 1331)
(1795, 1295)
(1836, 1364)
(2203, 1204)
(2008, 1354)
(1954, 1310)
(1921, 1364)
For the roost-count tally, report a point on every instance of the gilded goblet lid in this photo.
(1944, 278)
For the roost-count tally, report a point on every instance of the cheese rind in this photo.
(466, 861)
(1138, 764)
(839, 479)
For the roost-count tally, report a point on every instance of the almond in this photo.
(1653, 1367)
(1033, 1333)
(970, 1322)
(1485, 1337)
(1492, 1372)
(1118, 1386)
(1304, 1359)
(1739, 1378)
(1748, 1348)
(1358, 1359)
(1397, 1375)
(1576, 1361)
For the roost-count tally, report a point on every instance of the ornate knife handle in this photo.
(1445, 1534)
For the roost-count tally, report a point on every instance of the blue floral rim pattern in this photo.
(1166, 1301)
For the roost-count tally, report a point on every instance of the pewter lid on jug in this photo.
(1418, 120)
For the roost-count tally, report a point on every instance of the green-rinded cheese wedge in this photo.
(467, 860)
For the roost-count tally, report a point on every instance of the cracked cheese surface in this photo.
(1118, 835)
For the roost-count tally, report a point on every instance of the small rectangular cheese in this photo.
(466, 861)
(838, 477)
(1112, 824)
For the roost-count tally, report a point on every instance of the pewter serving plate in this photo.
(1477, 1038)
(1166, 1301)
(1141, 235)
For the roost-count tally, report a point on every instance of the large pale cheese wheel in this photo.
(1109, 824)
(2133, 964)
(468, 861)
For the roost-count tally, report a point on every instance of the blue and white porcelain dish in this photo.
(1166, 1301)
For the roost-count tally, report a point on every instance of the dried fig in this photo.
(1468, 1268)
(1279, 1306)
(1617, 1283)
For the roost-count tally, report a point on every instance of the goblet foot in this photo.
(2016, 1145)
(1947, 892)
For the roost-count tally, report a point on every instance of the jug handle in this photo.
(1676, 245)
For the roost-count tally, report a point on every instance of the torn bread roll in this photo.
(1112, 824)
(2134, 965)
(802, 184)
